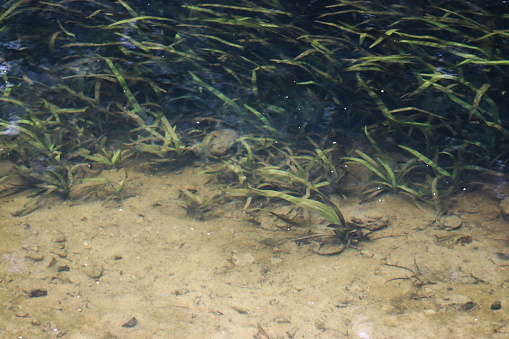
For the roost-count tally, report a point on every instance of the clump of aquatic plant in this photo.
(46, 181)
(445, 175)
(300, 178)
(262, 164)
(327, 210)
(388, 174)
(424, 76)
(239, 169)
(107, 158)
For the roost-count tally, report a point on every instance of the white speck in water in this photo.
(363, 335)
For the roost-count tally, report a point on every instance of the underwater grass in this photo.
(430, 79)
(328, 211)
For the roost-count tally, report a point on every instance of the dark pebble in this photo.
(496, 306)
(131, 323)
(468, 306)
(64, 268)
(37, 293)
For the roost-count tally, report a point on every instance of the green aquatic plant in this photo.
(57, 180)
(161, 140)
(328, 210)
(284, 175)
(103, 156)
(431, 78)
(108, 158)
(238, 169)
(442, 182)
(262, 163)
(389, 175)
(303, 173)
(112, 190)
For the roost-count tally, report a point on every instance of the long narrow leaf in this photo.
(427, 161)
(315, 206)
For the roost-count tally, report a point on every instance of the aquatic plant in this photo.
(328, 210)
(147, 79)
(390, 176)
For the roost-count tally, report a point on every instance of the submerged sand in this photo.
(142, 267)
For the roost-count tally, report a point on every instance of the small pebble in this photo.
(180, 291)
(453, 222)
(37, 293)
(60, 237)
(273, 302)
(63, 268)
(35, 256)
(496, 306)
(61, 252)
(19, 312)
(131, 323)
(35, 322)
(239, 309)
(243, 259)
(95, 271)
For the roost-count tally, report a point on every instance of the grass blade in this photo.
(427, 161)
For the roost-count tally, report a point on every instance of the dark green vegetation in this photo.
(302, 82)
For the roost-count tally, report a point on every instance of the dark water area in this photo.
(413, 91)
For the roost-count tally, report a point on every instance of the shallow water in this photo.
(226, 277)
(296, 91)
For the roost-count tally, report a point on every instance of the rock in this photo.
(275, 261)
(239, 309)
(63, 268)
(181, 291)
(216, 143)
(497, 305)
(61, 252)
(19, 311)
(452, 222)
(220, 141)
(37, 293)
(430, 312)
(60, 237)
(35, 256)
(289, 247)
(35, 322)
(95, 271)
(131, 323)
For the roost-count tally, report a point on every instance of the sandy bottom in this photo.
(143, 268)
